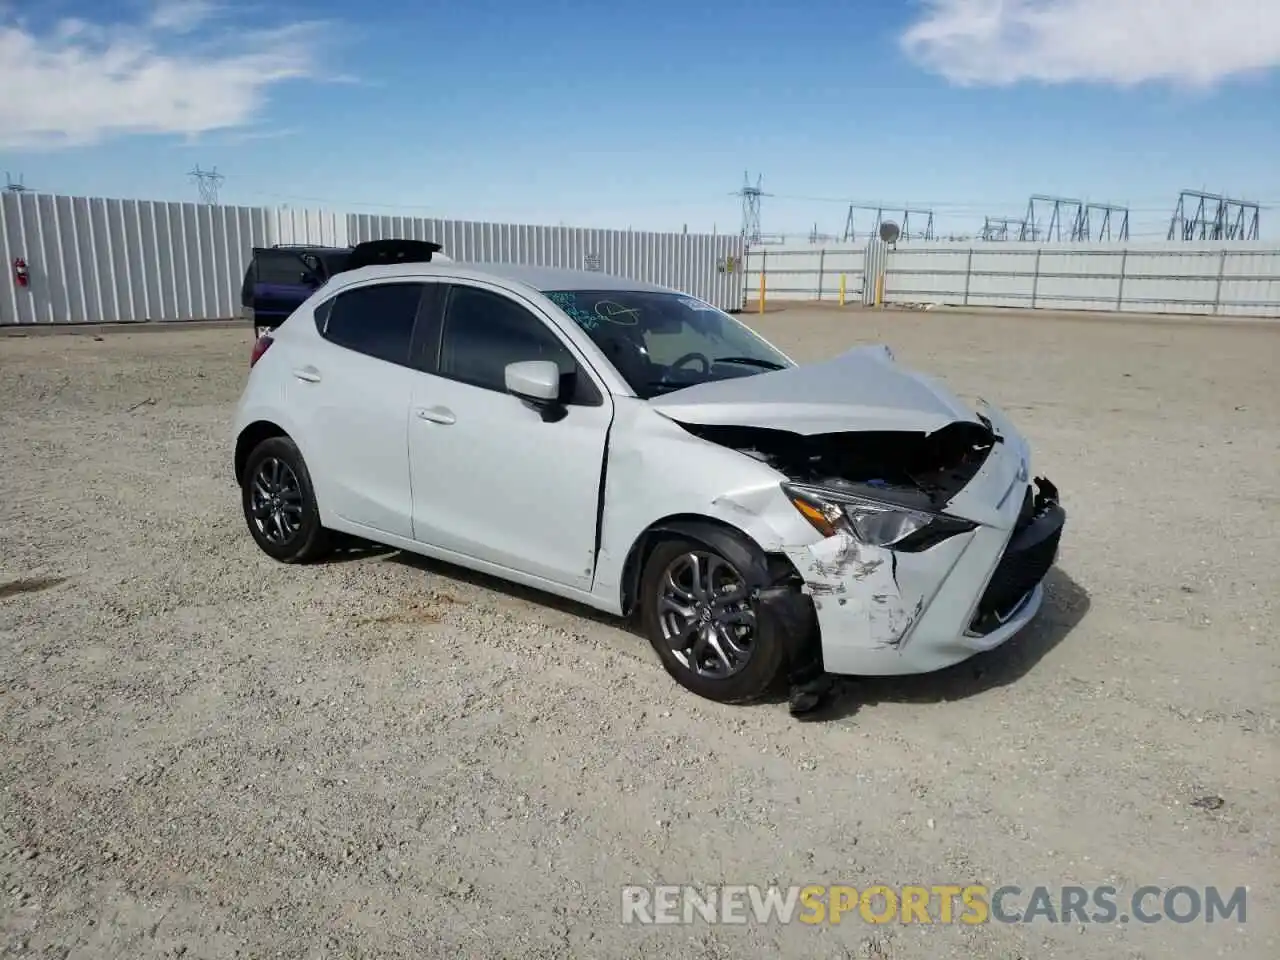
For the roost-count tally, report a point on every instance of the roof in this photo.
(539, 278)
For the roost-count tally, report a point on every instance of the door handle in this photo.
(436, 415)
(307, 374)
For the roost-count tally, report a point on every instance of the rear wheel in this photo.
(280, 503)
(700, 615)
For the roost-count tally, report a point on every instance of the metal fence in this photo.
(815, 273)
(92, 260)
(1215, 279)
(1223, 279)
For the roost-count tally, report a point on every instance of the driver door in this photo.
(493, 478)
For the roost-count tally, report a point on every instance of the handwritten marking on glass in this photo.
(617, 313)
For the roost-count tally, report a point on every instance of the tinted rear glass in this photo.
(333, 261)
(280, 267)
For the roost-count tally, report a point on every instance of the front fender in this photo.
(660, 474)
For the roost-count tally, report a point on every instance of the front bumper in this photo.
(881, 613)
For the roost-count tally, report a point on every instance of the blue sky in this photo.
(647, 114)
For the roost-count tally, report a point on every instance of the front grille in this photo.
(1031, 552)
(1028, 511)
(1018, 573)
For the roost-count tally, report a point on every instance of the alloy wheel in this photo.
(275, 501)
(706, 614)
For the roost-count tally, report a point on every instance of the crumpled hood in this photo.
(861, 389)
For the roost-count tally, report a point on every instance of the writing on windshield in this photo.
(661, 341)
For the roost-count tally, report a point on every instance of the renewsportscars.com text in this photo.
(936, 904)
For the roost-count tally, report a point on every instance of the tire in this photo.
(757, 672)
(299, 537)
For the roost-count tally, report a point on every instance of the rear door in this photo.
(353, 388)
(281, 282)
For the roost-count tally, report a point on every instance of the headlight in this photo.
(875, 522)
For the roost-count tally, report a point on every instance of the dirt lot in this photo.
(206, 754)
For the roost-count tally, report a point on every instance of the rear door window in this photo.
(376, 320)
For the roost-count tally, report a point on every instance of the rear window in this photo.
(287, 266)
(332, 261)
(279, 267)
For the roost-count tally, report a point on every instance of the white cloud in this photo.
(179, 70)
(1194, 43)
(181, 15)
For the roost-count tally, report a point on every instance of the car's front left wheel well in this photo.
(249, 438)
(709, 531)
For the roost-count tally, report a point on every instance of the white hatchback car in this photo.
(638, 450)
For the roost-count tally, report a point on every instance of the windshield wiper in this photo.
(751, 361)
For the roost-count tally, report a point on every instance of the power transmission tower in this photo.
(1106, 215)
(751, 207)
(1060, 209)
(1075, 219)
(1228, 220)
(207, 182)
(904, 224)
(997, 228)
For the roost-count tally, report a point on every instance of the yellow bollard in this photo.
(842, 281)
(880, 290)
(762, 291)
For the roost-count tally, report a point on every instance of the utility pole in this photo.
(751, 207)
(207, 182)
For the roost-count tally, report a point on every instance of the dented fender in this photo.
(870, 598)
(658, 474)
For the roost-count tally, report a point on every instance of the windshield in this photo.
(661, 342)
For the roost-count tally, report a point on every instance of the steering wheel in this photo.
(701, 358)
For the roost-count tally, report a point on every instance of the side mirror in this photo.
(537, 381)
(309, 279)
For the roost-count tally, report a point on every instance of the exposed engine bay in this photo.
(934, 466)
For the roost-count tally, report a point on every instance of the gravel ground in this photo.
(207, 754)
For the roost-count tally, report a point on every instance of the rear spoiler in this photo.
(384, 252)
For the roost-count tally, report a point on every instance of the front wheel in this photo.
(280, 503)
(699, 613)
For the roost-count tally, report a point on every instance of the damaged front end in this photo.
(915, 552)
(929, 468)
(1026, 559)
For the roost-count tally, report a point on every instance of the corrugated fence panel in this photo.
(925, 274)
(1078, 279)
(871, 276)
(94, 260)
(325, 228)
(1174, 279)
(1251, 284)
(704, 265)
(806, 271)
(999, 279)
